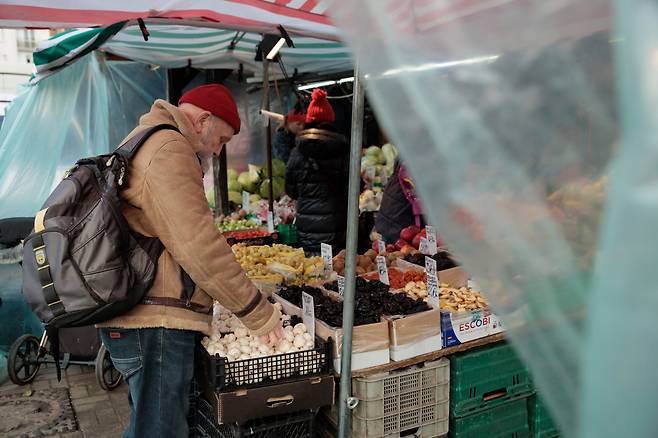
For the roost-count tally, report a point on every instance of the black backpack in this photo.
(82, 265)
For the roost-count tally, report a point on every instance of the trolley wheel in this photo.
(24, 362)
(107, 376)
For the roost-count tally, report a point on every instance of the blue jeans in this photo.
(158, 365)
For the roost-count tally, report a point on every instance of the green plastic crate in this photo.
(486, 377)
(541, 423)
(509, 420)
(287, 233)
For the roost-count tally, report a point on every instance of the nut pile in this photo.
(461, 299)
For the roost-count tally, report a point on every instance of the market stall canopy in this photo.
(300, 17)
(173, 45)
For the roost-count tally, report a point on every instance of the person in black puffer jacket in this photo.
(317, 178)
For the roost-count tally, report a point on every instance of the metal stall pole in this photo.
(268, 131)
(346, 402)
(219, 165)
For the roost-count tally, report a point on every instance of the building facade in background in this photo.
(16, 67)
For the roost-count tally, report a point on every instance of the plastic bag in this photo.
(504, 113)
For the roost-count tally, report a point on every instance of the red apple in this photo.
(390, 248)
(409, 233)
(400, 244)
(375, 246)
(416, 242)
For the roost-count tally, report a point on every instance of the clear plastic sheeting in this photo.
(505, 114)
(81, 111)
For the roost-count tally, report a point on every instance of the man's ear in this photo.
(201, 119)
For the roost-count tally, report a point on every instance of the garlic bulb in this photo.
(245, 349)
(284, 346)
(288, 336)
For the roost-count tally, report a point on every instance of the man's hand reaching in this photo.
(272, 338)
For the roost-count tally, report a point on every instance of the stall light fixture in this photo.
(271, 44)
(324, 84)
(275, 49)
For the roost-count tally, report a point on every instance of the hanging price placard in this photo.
(432, 282)
(381, 246)
(308, 313)
(270, 222)
(341, 284)
(383, 270)
(325, 250)
(431, 239)
(245, 201)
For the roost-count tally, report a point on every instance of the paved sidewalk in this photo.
(99, 414)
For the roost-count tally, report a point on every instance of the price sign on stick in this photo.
(270, 222)
(245, 201)
(308, 313)
(424, 246)
(383, 270)
(431, 239)
(381, 246)
(325, 250)
(341, 285)
(432, 282)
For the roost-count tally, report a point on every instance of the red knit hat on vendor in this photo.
(319, 110)
(218, 100)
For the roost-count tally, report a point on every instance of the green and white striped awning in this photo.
(173, 45)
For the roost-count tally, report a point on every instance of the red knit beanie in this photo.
(218, 100)
(295, 116)
(319, 110)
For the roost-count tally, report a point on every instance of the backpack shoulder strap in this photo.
(128, 149)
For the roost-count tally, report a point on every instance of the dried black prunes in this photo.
(443, 260)
(371, 301)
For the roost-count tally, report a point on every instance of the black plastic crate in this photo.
(217, 373)
(297, 425)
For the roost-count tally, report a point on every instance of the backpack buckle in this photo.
(121, 174)
(109, 161)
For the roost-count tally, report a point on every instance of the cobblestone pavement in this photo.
(100, 414)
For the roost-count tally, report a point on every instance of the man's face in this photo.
(215, 133)
(295, 127)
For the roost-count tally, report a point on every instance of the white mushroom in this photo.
(299, 329)
(299, 341)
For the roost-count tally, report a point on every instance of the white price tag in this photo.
(424, 246)
(245, 201)
(325, 249)
(341, 285)
(308, 313)
(381, 247)
(432, 282)
(431, 239)
(383, 270)
(270, 222)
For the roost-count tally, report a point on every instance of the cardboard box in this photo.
(370, 344)
(413, 335)
(458, 328)
(242, 405)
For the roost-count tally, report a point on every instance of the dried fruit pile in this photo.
(397, 278)
(443, 260)
(364, 263)
(372, 300)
